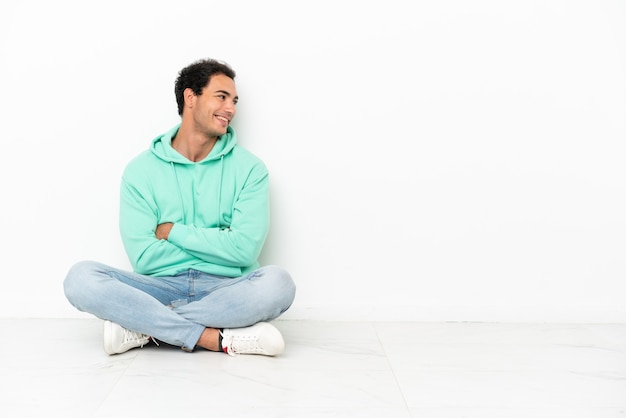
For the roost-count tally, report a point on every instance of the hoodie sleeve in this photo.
(138, 220)
(240, 243)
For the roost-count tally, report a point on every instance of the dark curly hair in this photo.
(196, 76)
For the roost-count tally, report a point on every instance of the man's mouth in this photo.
(224, 119)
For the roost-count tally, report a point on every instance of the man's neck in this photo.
(193, 145)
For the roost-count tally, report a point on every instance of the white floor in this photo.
(53, 367)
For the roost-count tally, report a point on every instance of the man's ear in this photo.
(190, 97)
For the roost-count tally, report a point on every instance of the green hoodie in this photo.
(219, 207)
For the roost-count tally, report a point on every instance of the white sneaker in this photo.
(261, 338)
(118, 339)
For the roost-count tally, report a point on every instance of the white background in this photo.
(430, 160)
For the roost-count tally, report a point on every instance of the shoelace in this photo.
(132, 337)
(241, 345)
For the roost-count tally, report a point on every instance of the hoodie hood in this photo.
(162, 147)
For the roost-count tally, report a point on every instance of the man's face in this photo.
(213, 110)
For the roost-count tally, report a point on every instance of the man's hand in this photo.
(163, 230)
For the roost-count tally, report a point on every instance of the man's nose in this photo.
(230, 107)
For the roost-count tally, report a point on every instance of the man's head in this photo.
(196, 77)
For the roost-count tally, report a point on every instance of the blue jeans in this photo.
(177, 309)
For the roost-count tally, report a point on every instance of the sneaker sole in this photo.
(107, 333)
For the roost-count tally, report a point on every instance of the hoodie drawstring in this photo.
(219, 195)
(180, 193)
(219, 191)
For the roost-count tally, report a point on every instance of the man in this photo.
(194, 215)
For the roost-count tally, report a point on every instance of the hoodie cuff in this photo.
(178, 235)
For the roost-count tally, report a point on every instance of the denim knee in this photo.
(283, 283)
(75, 281)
